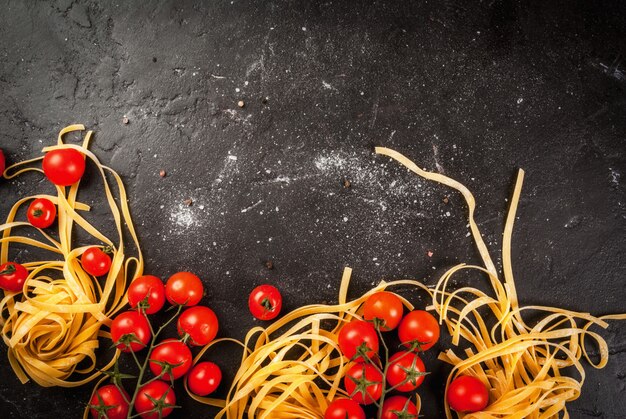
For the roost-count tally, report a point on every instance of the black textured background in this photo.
(471, 89)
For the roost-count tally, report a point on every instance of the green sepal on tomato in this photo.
(419, 330)
(265, 302)
(130, 331)
(405, 371)
(198, 325)
(399, 407)
(364, 383)
(12, 276)
(109, 402)
(170, 359)
(358, 340)
(155, 400)
(184, 288)
(146, 292)
(384, 309)
(41, 213)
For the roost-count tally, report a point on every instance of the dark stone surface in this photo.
(472, 89)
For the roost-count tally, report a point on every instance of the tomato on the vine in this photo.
(148, 292)
(358, 337)
(265, 302)
(467, 394)
(204, 378)
(364, 383)
(344, 409)
(130, 331)
(383, 308)
(41, 213)
(405, 367)
(155, 400)
(109, 402)
(184, 288)
(419, 330)
(64, 167)
(399, 407)
(199, 324)
(172, 357)
(96, 261)
(12, 276)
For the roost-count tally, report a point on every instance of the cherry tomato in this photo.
(129, 324)
(467, 394)
(95, 261)
(12, 276)
(2, 163)
(163, 396)
(384, 308)
(147, 291)
(419, 329)
(41, 213)
(199, 323)
(108, 402)
(397, 407)
(344, 409)
(204, 378)
(265, 302)
(174, 353)
(64, 167)
(184, 288)
(405, 366)
(358, 335)
(363, 383)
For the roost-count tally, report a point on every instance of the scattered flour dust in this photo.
(183, 216)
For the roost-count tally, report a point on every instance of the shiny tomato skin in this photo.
(204, 378)
(265, 302)
(420, 326)
(2, 163)
(386, 307)
(131, 323)
(64, 167)
(372, 391)
(111, 396)
(396, 371)
(200, 323)
(155, 389)
(184, 288)
(95, 261)
(355, 333)
(398, 404)
(344, 409)
(12, 276)
(147, 286)
(467, 394)
(41, 213)
(173, 352)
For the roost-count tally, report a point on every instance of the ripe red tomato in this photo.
(127, 324)
(12, 276)
(467, 394)
(344, 409)
(405, 366)
(95, 261)
(204, 378)
(41, 213)
(147, 291)
(64, 167)
(184, 288)
(2, 163)
(419, 329)
(398, 407)
(199, 323)
(364, 383)
(358, 335)
(265, 302)
(384, 306)
(173, 353)
(163, 396)
(108, 402)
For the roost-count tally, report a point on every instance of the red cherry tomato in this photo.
(265, 302)
(95, 261)
(358, 334)
(204, 378)
(127, 324)
(158, 391)
(344, 409)
(419, 329)
(467, 394)
(173, 353)
(398, 407)
(384, 308)
(64, 167)
(41, 213)
(12, 276)
(2, 163)
(363, 383)
(199, 323)
(109, 402)
(405, 366)
(184, 288)
(147, 291)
